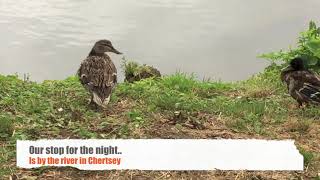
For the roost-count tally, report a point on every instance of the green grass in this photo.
(6, 125)
(59, 109)
(307, 156)
(59, 104)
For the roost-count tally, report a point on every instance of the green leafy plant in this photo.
(308, 48)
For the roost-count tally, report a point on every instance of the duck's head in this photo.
(103, 46)
(295, 64)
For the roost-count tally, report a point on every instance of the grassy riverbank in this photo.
(175, 106)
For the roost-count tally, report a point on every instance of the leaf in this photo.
(309, 60)
(312, 25)
(314, 47)
(312, 61)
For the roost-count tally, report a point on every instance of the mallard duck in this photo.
(303, 85)
(98, 74)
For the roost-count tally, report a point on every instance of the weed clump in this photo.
(135, 72)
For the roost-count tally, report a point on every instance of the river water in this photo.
(217, 39)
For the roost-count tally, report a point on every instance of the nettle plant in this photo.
(308, 48)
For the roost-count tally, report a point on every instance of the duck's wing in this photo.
(309, 85)
(99, 76)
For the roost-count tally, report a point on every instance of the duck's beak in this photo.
(115, 51)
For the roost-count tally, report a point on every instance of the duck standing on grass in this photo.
(98, 74)
(303, 85)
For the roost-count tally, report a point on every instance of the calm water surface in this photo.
(217, 39)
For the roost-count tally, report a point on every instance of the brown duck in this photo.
(303, 85)
(98, 74)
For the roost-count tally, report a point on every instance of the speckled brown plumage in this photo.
(98, 74)
(303, 85)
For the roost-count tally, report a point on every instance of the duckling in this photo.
(98, 74)
(303, 85)
(135, 72)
